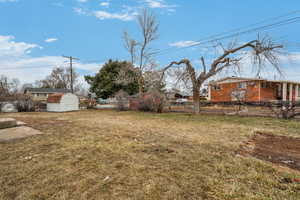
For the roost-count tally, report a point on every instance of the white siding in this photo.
(53, 107)
(68, 102)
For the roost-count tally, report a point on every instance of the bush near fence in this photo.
(23, 103)
(149, 102)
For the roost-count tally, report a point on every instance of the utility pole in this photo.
(71, 70)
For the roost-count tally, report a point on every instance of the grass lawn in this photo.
(129, 155)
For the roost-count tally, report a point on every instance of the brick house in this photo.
(252, 90)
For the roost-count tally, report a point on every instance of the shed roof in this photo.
(54, 98)
(47, 90)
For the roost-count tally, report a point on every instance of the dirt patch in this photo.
(44, 124)
(157, 149)
(281, 150)
(11, 134)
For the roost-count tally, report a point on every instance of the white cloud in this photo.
(158, 4)
(10, 48)
(49, 40)
(126, 16)
(16, 61)
(125, 12)
(186, 43)
(105, 4)
(82, 1)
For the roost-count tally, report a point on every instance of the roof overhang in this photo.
(242, 79)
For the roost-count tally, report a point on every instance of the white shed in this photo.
(62, 102)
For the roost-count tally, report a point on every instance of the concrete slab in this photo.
(10, 134)
(7, 123)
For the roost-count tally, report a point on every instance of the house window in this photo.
(242, 85)
(298, 90)
(265, 85)
(252, 83)
(238, 95)
(216, 87)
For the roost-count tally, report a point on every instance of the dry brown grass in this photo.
(129, 155)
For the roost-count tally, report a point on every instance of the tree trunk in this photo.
(141, 86)
(196, 99)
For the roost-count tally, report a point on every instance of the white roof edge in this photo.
(253, 79)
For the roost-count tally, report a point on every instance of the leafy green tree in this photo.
(107, 82)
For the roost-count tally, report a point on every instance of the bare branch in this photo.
(203, 64)
(141, 53)
(262, 51)
(130, 46)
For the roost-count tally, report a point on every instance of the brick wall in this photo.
(224, 94)
(269, 93)
(252, 93)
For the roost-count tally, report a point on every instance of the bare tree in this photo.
(60, 78)
(142, 55)
(263, 50)
(130, 45)
(26, 85)
(8, 86)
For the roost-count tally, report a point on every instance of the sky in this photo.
(35, 34)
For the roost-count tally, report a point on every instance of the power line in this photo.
(200, 42)
(71, 69)
(214, 38)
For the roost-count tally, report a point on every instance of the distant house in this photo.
(252, 90)
(41, 94)
(174, 95)
(177, 95)
(60, 102)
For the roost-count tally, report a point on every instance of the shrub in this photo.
(23, 103)
(25, 106)
(152, 101)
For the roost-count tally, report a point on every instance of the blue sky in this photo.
(35, 33)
